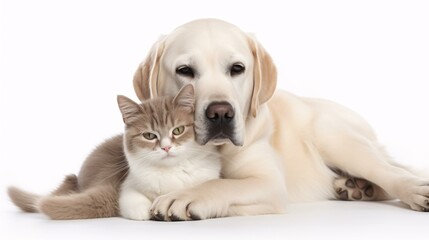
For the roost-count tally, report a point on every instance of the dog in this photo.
(276, 147)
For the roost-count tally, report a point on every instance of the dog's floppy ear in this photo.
(146, 77)
(264, 76)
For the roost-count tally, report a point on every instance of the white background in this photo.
(62, 63)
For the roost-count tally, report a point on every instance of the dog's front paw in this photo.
(184, 206)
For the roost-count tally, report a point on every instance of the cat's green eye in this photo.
(149, 136)
(178, 130)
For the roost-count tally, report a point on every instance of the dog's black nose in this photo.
(220, 112)
(220, 124)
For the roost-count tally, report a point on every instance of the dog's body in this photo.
(289, 148)
(276, 147)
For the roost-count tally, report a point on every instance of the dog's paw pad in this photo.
(369, 191)
(357, 195)
(361, 183)
(343, 195)
(350, 183)
(350, 188)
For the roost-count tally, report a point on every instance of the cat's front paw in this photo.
(138, 213)
(182, 206)
(134, 206)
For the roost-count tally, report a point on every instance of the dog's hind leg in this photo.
(360, 156)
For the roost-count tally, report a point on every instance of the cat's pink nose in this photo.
(166, 148)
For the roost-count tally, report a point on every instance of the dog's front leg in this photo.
(252, 184)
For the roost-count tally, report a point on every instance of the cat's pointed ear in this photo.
(129, 109)
(185, 98)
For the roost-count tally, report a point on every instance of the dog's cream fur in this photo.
(290, 144)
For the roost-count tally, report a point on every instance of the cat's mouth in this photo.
(168, 155)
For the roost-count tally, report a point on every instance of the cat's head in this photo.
(160, 130)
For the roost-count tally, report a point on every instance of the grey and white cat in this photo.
(161, 152)
(157, 154)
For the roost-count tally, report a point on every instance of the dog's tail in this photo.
(67, 202)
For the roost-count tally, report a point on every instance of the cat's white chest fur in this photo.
(153, 181)
(148, 180)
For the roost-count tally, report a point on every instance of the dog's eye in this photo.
(185, 71)
(237, 68)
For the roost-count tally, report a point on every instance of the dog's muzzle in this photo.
(220, 123)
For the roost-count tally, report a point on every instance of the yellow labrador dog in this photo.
(277, 147)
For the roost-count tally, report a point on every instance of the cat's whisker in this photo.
(146, 156)
(116, 172)
(116, 164)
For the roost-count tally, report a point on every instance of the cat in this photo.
(161, 152)
(156, 154)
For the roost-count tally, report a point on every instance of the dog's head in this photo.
(231, 72)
